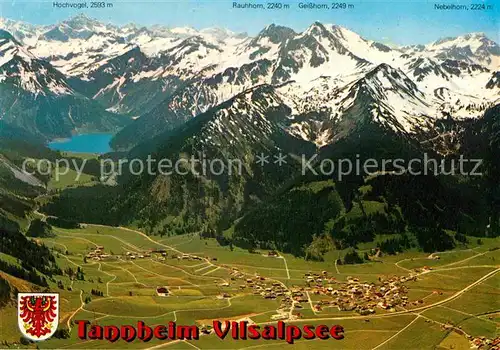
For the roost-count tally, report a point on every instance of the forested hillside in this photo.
(428, 212)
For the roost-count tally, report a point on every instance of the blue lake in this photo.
(84, 143)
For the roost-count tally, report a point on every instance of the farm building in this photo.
(162, 291)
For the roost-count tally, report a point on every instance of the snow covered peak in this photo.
(276, 34)
(388, 77)
(187, 31)
(459, 40)
(472, 47)
(221, 34)
(84, 22)
(130, 26)
(317, 28)
(20, 30)
(387, 96)
(11, 48)
(81, 18)
(78, 27)
(19, 68)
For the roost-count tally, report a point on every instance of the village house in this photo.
(223, 295)
(272, 253)
(278, 317)
(162, 291)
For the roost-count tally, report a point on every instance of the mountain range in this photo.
(160, 77)
(326, 91)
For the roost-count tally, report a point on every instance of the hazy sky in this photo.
(401, 21)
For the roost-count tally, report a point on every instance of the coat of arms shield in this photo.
(38, 314)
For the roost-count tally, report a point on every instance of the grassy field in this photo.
(69, 178)
(62, 177)
(453, 291)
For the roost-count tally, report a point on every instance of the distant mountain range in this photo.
(37, 98)
(104, 75)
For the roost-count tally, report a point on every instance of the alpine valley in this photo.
(325, 90)
(322, 94)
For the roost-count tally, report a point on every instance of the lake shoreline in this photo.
(90, 143)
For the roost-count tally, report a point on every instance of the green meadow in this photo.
(448, 291)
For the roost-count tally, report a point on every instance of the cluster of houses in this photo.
(484, 343)
(327, 291)
(350, 295)
(186, 257)
(133, 256)
(353, 295)
(480, 342)
(163, 255)
(97, 253)
(259, 285)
